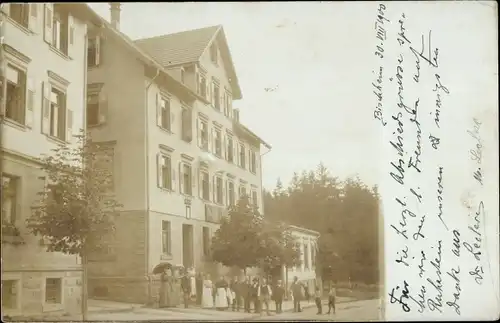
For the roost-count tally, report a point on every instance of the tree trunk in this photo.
(84, 286)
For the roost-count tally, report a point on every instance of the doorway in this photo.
(187, 246)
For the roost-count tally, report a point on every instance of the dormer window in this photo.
(213, 53)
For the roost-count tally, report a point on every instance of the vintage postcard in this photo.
(330, 161)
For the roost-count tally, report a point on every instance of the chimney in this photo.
(114, 8)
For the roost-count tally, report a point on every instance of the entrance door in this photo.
(187, 246)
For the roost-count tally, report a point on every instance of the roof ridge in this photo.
(176, 33)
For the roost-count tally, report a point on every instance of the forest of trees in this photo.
(345, 213)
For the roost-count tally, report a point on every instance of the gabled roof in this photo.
(187, 47)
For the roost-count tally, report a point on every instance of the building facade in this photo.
(42, 105)
(307, 241)
(182, 157)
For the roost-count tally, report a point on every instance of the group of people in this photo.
(238, 293)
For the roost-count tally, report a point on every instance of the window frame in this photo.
(166, 110)
(62, 117)
(219, 191)
(25, 9)
(184, 165)
(214, 53)
(203, 173)
(231, 191)
(255, 199)
(18, 279)
(22, 105)
(252, 162)
(96, 40)
(230, 148)
(242, 155)
(166, 156)
(241, 189)
(218, 142)
(168, 232)
(47, 306)
(204, 141)
(216, 95)
(89, 96)
(203, 86)
(186, 121)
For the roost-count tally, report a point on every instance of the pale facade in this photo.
(307, 241)
(181, 156)
(43, 104)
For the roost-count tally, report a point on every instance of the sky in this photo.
(314, 55)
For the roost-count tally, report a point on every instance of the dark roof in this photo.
(178, 48)
(187, 47)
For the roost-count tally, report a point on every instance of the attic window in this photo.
(213, 53)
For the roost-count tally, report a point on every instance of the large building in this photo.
(177, 149)
(43, 56)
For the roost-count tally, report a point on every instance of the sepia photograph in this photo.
(231, 161)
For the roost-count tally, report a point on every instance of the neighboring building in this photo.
(307, 241)
(42, 105)
(181, 155)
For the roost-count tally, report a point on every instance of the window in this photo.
(205, 186)
(9, 198)
(219, 190)
(165, 238)
(93, 51)
(213, 53)
(203, 86)
(187, 125)
(242, 155)
(187, 179)
(313, 255)
(10, 290)
(227, 104)
(60, 35)
(230, 149)
(218, 142)
(203, 134)
(243, 190)
(165, 172)
(254, 198)
(164, 114)
(57, 113)
(206, 241)
(253, 162)
(182, 76)
(231, 192)
(92, 110)
(53, 290)
(216, 96)
(20, 13)
(16, 94)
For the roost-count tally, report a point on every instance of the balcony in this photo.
(215, 213)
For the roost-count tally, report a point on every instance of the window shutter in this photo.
(249, 159)
(69, 125)
(46, 108)
(223, 189)
(198, 131)
(211, 141)
(71, 37)
(214, 189)
(181, 179)
(236, 156)
(47, 26)
(98, 50)
(224, 147)
(33, 17)
(30, 102)
(158, 110)
(172, 119)
(208, 91)
(200, 184)
(103, 108)
(159, 165)
(193, 180)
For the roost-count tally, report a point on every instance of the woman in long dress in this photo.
(207, 300)
(221, 295)
(166, 289)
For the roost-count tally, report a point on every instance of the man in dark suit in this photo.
(278, 295)
(246, 291)
(296, 290)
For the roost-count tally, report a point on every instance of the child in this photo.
(317, 298)
(278, 295)
(331, 299)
